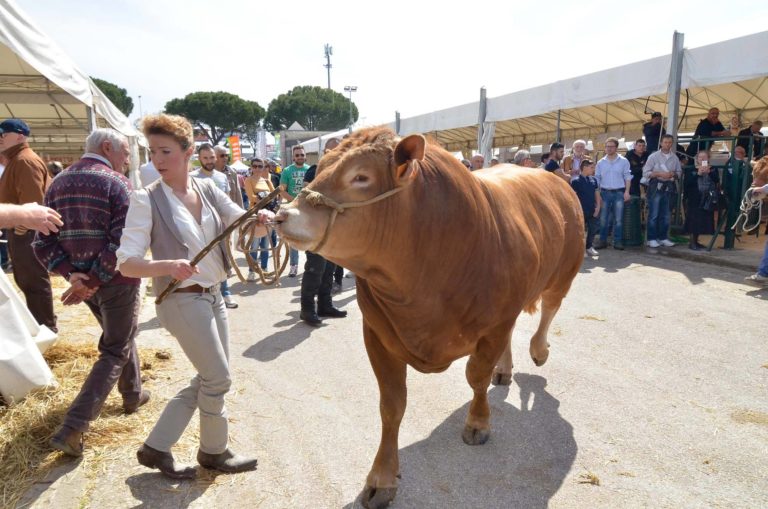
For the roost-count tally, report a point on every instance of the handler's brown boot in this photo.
(227, 462)
(68, 440)
(164, 462)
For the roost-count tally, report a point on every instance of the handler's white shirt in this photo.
(136, 240)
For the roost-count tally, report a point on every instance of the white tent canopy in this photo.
(40, 84)
(731, 75)
(314, 145)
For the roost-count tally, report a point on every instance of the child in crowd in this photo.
(588, 191)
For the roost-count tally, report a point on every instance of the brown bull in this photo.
(445, 262)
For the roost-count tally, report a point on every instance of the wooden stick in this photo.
(223, 235)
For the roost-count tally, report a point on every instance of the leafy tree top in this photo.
(219, 112)
(118, 96)
(315, 108)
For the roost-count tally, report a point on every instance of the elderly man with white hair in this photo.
(523, 158)
(572, 162)
(92, 197)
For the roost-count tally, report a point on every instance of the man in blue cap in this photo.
(25, 180)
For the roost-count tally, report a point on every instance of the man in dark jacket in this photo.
(653, 131)
(25, 180)
(753, 134)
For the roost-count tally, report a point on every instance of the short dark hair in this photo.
(297, 147)
(613, 140)
(640, 140)
(555, 146)
(667, 137)
(586, 162)
(204, 146)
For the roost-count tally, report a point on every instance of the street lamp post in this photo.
(350, 89)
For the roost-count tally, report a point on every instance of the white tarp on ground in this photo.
(22, 341)
(42, 85)
(731, 75)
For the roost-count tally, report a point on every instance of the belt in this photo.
(617, 189)
(193, 289)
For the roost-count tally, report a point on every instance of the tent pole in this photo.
(397, 123)
(675, 79)
(480, 120)
(91, 119)
(557, 129)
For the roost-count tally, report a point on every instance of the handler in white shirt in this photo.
(176, 217)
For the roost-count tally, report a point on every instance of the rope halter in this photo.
(316, 199)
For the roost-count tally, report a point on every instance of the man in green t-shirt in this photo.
(291, 182)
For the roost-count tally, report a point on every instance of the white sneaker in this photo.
(592, 252)
(294, 271)
(229, 302)
(349, 274)
(667, 243)
(251, 277)
(653, 243)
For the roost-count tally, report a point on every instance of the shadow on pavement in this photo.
(153, 489)
(272, 347)
(526, 460)
(152, 323)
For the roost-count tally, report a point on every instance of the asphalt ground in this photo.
(654, 395)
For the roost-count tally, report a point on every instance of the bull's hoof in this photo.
(475, 436)
(540, 357)
(374, 498)
(501, 379)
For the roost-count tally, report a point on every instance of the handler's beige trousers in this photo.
(199, 323)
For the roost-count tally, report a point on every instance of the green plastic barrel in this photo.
(633, 229)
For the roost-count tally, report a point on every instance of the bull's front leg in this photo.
(477, 428)
(381, 484)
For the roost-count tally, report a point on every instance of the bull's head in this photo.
(347, 209)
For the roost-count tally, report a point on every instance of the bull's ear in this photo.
(410, 148)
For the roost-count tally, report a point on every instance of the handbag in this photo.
(710, 200)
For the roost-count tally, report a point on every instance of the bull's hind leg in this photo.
(381, 484)
(502, 374)
(477, 428)
(550, 303)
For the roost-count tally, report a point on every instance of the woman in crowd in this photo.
(257, 186)
(700, 191)
(176, 217)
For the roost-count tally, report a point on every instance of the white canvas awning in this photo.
(731, 75)
(40, 84)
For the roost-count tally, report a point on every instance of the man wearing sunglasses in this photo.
(221, 165)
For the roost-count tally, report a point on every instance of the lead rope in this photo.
(314, 198)
(748, 204)
(280, 251)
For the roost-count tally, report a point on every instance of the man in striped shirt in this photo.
(92, 198)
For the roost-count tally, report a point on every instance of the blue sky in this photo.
(408, 56)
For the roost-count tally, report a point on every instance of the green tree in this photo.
(315, 108)
(217, 113)
(118, 96)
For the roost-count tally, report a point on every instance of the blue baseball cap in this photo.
(14, 125)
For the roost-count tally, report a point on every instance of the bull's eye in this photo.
(360, 178)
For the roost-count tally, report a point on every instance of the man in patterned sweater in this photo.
(92, 197)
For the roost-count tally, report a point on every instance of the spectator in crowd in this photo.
(291, 183)
(523, 158)
(653, 131)
(338, 274)
(92, 197)
(222, 165)
(174, 218)
(4, 263)
(752, 134)
(637, 158)
(257, 186)
(700, 199)
(614, 178)
(572, 162)
(661, 171)
(709, 127)
(494, 162)
(477, 161)
(148, 173)
(25, 180)
(556, 151)
(760, 278)
(317, 282)
(207, 156)
(544, 160)
(466, 163)
(274, 176)
(588, 191)
(54, 168)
